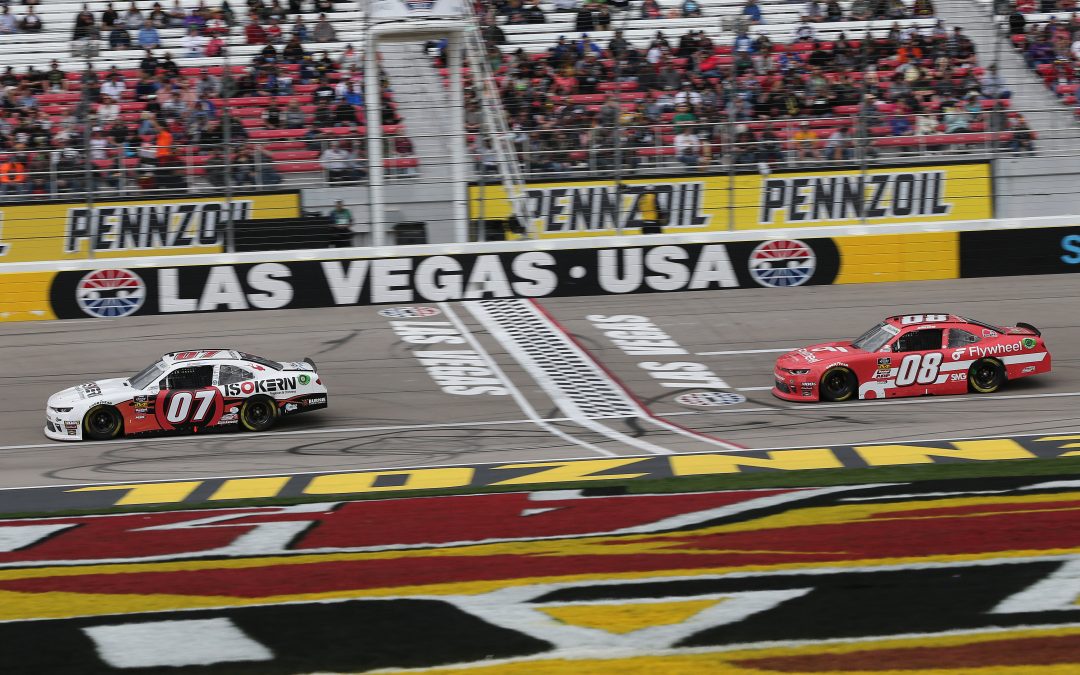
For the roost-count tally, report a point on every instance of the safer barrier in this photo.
(770, 260)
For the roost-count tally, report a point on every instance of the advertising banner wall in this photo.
(110, 293)
(714, 203)
(127, 228)
(999, 253)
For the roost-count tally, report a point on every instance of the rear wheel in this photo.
(986, 376)
(838, 384)
(102, 422)
(258, 414)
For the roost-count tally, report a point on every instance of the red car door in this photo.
(188, 400)
(917, 358)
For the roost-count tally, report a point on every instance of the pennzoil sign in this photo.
(712, 203)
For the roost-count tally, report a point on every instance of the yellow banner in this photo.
(928, 193)
(24, 296)
(127, 228)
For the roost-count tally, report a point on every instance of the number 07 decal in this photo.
(189, 407)
(918, 368)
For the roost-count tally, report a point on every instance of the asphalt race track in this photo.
(538, 395)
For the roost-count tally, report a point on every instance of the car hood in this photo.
(110, 389)
(824, 354)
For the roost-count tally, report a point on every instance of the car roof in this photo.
(201, 355)
(934, 318)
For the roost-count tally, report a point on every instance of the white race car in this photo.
(187, 392)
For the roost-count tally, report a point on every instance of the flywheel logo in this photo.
(109, 294)
(782, 263)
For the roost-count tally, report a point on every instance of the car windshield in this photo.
(261, 361)
(875, 338)
(147, 375)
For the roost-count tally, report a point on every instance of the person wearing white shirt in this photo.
(688, 96)
(194, 44)
(8, 24)
(114, 88)
(688, 148)
(654, 54)
(804, 31)
(107, 110)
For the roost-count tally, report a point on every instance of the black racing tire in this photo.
(102, 422)
(258, 413)
(838, 384)
(986, 376)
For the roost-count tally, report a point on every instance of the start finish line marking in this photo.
(212, 490)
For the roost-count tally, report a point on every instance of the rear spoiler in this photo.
(1033, 329)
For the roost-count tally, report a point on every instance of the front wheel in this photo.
(258, 414)
(986, 376)
(102, 422)
(838, 384)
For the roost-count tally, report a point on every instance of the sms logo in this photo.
(1071, 244)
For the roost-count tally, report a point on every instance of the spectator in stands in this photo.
(650, 9)
(1022, 138)
(176, 15)
(324, 30)
(688, 147)
(85, 26)
(119, 38)
(1017, 22)
(30, 22)
(110, 17)
(922, 9)
(324, 6)
(113, 86)
(145, 88)
(860, 10)
(804, 142)
(299, 30)
(55, 78)
(833, 11)
(264, 162)
(133, 17)
(148, 36)
(274, 34)
(813, 12)
(216, 46)
(690, 9)
(276, 11)
(335, 161)
(215, 168)
(13, 175)
(752, 11)
(294, 116)
(992, 86)
(8, 24)
(839, 146)
(168, 66)
(158, 16)
(194, 44)
(804, 32)
(254, 33)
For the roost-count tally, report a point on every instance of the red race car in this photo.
(913, 355)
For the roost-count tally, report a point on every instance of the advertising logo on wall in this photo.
(116, 229)
(712, 203)
(528, 274)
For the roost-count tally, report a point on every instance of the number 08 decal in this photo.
(189, 407)
(918, 368)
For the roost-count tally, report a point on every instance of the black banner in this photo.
(999, 253)
(371, 281)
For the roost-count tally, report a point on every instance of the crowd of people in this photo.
(751, 102)
(160, 124)
(579, 105)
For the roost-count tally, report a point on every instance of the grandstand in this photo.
(670, 85)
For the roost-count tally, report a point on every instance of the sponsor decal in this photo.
(710, 399)
(290, 407)
(269, 386)
(709, 203)
(304, 379)
(1027, 369)
(994, 350)
(596, 471)
(563, 582)
(989, 333)
(639, 336)
(958, 377)
(845, 197)
(1029, 343)
(131, 227)
(409, 312)
(316, 400)
(72, 428)
(89, 390)
(781, 263)
(528, 274)
(108, 294)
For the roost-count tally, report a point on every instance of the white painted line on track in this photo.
(518, 348)
(823, 407)
(735, 352)
(515, 393)
(274, 434)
